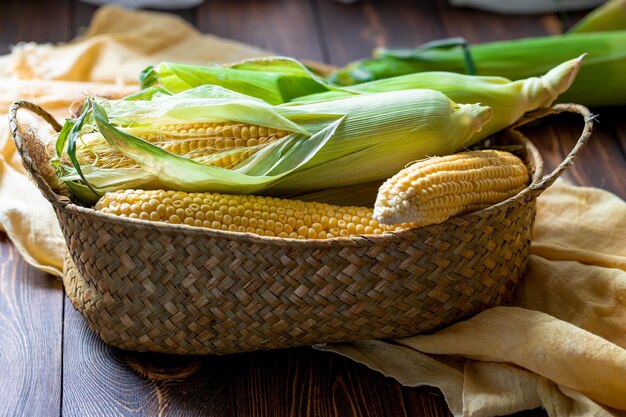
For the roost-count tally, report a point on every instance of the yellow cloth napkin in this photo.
(561, 344)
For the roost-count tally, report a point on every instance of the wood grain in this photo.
(81, 14)
(618, 127)
(96, 379)
(352, 31)
(31, 306)
(24, 21)
(103, 381)
(285, 27)
(479, 26)
(425, 401)
(598, 165)
(31, 302)
(304, 382)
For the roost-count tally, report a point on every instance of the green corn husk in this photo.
(443, 129)
(343, 142)
(275, 80)
(601, 80)
(610, 16)
(509, 100)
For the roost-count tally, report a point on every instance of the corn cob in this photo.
(263, 216)
(196, 141)
(610, 16)
(435, 189)
(515, 59)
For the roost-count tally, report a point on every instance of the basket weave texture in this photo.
(178, 289)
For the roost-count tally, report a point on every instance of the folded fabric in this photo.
(106, 61)
(560, 344)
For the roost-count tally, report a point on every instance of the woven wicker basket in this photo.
(168, 288)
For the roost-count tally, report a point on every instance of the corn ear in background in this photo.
(275, 80)
(508, 100)
(608, 17)
(600, 82)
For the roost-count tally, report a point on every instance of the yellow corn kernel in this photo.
(229, 212)
(196, 141)
(435, 189)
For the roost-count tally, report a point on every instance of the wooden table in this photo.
(53, 364)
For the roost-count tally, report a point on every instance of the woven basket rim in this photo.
(177, 228)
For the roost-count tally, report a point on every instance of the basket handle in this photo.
(536, 189)
(28, 144)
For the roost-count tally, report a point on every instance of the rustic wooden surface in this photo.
(52, 364)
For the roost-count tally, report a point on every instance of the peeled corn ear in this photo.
(435, 189)
(263, 216)
(220, 144)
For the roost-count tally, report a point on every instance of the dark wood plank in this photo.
(479, 26)
(304, 382)
(99, 380)
(22, 21)
(96, 378)
(425, 402)
(31, 314)
(601, 164)
(286, 27)
(620, 131)
(569, 19)
(352, 31)
(615, 116)
(81, 14)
